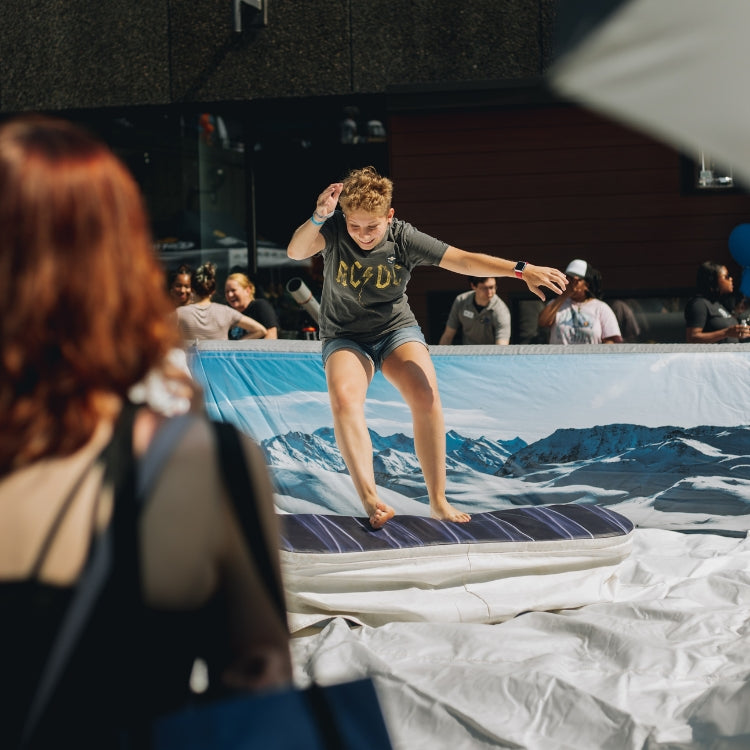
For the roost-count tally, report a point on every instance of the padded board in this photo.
(493, 567)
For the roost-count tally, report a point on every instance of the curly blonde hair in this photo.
(366, 190)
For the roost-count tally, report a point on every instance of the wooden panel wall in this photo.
(548, 184)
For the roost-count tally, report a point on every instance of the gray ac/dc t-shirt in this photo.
(364, 292)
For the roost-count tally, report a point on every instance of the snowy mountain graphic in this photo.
(394, 453)
(696, 475)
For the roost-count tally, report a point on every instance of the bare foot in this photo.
(444, 511)
(380, 514)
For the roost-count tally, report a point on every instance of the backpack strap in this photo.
(236, 476)
(159, 450)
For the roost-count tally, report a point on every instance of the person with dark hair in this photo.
(180, 289)
(578, 315)
(707, 320)
(175, 578)
(204, 319)
(480, 314)
(366, 323)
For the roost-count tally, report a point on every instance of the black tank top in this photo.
(131, 662)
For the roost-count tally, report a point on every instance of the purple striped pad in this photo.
(328, 534)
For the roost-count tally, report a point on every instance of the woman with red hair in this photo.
(86, 317)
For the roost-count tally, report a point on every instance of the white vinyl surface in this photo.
(480, 582)
(663, 661)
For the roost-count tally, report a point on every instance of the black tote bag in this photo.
(345, 716)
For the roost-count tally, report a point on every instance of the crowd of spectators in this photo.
(715, 312)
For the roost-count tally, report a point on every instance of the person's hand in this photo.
(328, 200)
(739, 331)
(541, 276)
(572, 284)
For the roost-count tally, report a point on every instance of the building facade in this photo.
(233, 119)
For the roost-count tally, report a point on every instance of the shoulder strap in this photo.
(59, 517)
(119, 469)
(237, 477)
(86, 592)
(159, 450)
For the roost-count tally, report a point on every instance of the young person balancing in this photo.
(366, 323)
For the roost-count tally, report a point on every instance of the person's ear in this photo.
(391, 213)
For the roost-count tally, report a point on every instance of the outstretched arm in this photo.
(307, 239)
(480, 264)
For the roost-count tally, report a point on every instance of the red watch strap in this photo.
(519, 269)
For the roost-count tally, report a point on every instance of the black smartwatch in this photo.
(518, 270)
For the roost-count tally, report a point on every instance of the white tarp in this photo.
(659, 434)
(665, 664)
(478, 582)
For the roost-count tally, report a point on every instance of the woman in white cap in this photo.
(578, 316)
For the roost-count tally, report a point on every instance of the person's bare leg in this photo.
(409, 367)
(348, 375)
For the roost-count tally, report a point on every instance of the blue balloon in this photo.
(739, 246)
